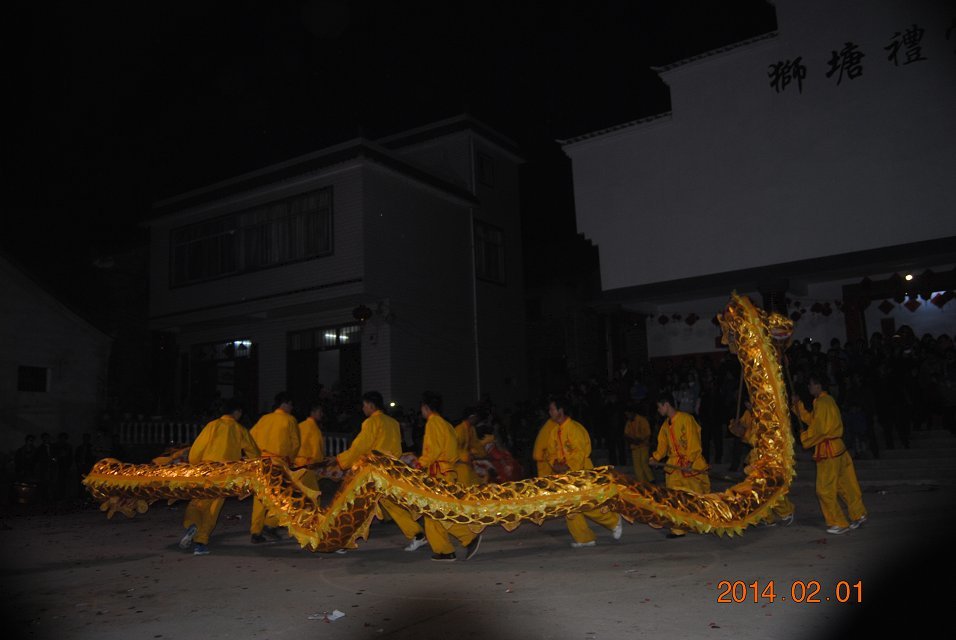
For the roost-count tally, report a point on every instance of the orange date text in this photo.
(799, 591)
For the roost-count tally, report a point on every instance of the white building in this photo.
(53, 365)
(392, 264)
(791, 166)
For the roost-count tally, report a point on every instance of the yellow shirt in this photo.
(747, 422)
(222, 440)
(277, 434)
(468, 446)
(679, 442)
(379, 432)
(439, 446)
(541, 454)
(311, 443)
(825, 427)
(566, 443)
(639, 429)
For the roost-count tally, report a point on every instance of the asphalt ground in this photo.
(71, 573)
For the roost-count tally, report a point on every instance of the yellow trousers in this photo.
(204, 513)
(699, 483)
(466, 474)
(402, 518)
(783, 508)
(579, 528)
(836, 478)
(261, 518)
(642, 470)
(439, 535)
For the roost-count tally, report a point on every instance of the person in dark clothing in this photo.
(84, 457)
(24, 459)
(63, 452)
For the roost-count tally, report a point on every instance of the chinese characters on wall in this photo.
(904, 48)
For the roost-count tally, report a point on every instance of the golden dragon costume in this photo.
(753, 335)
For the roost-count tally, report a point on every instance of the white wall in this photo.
(37, 331)
(418, 260)
(343, 265)
(740, 176)
(677, 338)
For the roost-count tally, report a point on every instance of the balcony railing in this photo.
(162, 433)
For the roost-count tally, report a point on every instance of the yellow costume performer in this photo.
(311, 446)
(745, 430)
(679, 442)
(836, 476)
(439, 455)
(564, 445)
(469, 448)
(277, 435)
(222, 440)
(637, 432)
(541, 454)
(344, 521)
(382, 433)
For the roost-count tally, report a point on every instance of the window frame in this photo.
(239, 226)
(481, 243)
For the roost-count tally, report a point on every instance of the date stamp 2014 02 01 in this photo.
(799, 591)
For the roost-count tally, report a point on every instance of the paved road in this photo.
(78, 575)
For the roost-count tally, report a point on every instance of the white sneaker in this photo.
(837, 530)
(187, 538)
(578, 545)
(417, 542)
(618, 530)
(856, 524)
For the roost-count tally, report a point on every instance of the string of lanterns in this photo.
(799, 308)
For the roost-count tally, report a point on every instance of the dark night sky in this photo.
(119, 104)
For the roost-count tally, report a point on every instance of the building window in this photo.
(485, 169)
(326, 338)
(293, 229)
(36, 379)
(289, 230)
(489, 252)
(205, 250)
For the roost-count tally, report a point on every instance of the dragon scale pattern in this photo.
(754, 336)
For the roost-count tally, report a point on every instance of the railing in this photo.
(161, 433)
(158, 432)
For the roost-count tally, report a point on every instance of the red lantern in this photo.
(663, 320)
(912, 304)
(361, 313)
(940, 299)
(691, 319)
(886, 306)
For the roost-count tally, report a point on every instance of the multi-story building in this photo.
(54, 373)
(813, 163)
(392, 264)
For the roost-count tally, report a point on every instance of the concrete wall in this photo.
(418, 264)
(741, 176)
(344, 264)
(37, 331)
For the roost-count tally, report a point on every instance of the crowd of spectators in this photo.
(886, 387)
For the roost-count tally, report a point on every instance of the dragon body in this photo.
(754, 336)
